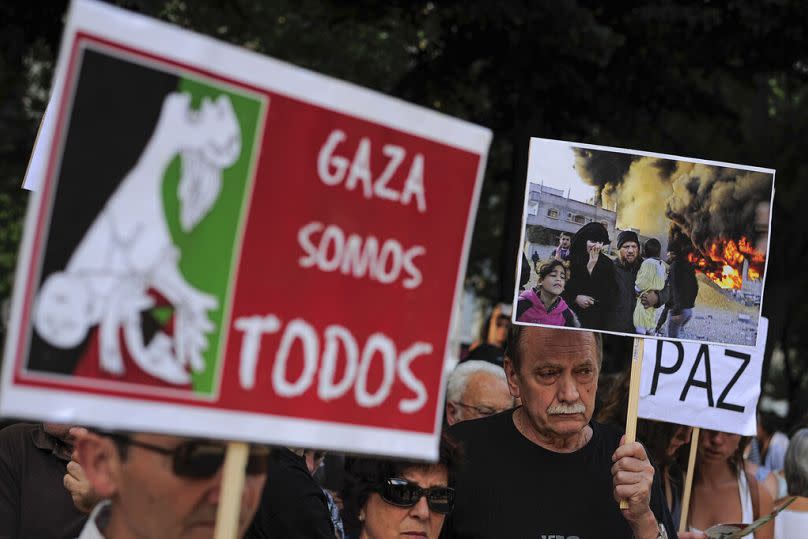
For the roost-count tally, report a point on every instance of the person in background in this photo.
(42, 492)
(156, 486)
(292, 503)
(650, 278)
(792, 522)
(767, 450)
(662, 441)
(683, 288)
(493, 334)
(626, 266)
(545, 468)
(393, 499)
(723, 491)
(543, 304)
(592, 286)
(562, 252)
(476, 389)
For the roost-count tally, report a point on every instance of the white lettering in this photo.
(415, 184)
(325, 158)
(330, 385)
(333, 234)
(295, 330)
(383, 345)
(359, 257)
(332, 170)
(360, 169)
(303, 239)
(415, 278)
(253, 327)
(396, 155)
(410, 406)
(327, 389)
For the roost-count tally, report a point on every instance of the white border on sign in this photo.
(645, 154)
(193, 421)
(151, 63)
(228, 61)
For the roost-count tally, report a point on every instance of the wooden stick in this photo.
(227, 515)
(633, 397)
(691, 465)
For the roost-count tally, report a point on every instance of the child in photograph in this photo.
(543, 304)
(650, 277)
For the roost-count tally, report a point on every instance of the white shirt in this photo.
(100, 515)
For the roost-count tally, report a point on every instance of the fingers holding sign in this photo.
(633, 477)
(76, 482)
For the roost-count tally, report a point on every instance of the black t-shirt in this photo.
(292, 503)
(510, 487)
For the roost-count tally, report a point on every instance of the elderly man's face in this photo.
(629, 251)
(485, 395)
(557, 380)
(150, 500)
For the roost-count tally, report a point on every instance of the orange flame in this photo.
(723, 260)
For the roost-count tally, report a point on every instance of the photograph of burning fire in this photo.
(651, 244)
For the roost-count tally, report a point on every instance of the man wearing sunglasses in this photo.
(161, 487)
(546, 469)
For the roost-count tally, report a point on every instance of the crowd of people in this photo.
(636, 293)
(524, 453)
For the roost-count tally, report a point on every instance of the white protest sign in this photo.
(702, 385)
(39, 156)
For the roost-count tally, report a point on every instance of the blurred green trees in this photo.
(715, 80)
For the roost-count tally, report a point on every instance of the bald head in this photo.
(550, 340)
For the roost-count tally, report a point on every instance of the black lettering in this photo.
(659, 369)
(704, 351)
(745, 358)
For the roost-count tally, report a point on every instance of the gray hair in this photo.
(796, 464)
(460, 376)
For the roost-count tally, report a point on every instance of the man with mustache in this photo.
(161, 487)
(545, 469)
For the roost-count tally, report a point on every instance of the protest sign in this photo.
(37, 164)
(702, 385)
(704, 222)
(227, 246)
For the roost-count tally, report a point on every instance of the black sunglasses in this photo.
(403, 493)
(199, 459)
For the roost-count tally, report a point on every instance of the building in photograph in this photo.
(553, 211)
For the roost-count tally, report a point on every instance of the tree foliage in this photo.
(716, 80)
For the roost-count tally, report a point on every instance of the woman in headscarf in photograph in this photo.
(591, 286)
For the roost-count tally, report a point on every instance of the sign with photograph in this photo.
(640, 243)
(702, 385)
(227, 246)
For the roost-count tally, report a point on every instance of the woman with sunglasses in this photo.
(394, 498)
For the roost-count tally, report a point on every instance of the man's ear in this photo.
(99, 457)
(513, 377)
(451, 412)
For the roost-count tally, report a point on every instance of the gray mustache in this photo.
(558, 409)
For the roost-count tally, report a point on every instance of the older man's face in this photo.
(629, 252)
(485, 395)
(557, 380)
(150, 500)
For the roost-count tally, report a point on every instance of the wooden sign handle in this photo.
(227, 514)
(633, 397)
(691, 465)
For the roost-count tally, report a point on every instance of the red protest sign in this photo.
(273, 253)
